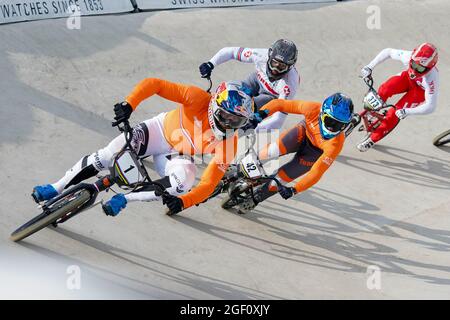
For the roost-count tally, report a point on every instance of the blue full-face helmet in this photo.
(336, 113)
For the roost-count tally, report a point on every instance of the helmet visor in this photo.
(332, 124)
(228, 120)
(278, 66)
(417, 67)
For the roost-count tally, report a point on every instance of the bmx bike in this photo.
(127, 171)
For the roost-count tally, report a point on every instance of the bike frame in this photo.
(106, 182)
(242, 176)
(371, 117)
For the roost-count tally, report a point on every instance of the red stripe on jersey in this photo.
(264, 82)
(239, 54)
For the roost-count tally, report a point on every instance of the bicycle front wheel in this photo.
(59, 209)
(442, 139)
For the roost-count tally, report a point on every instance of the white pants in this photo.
(148, 139)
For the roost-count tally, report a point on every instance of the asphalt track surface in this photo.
(388, 207)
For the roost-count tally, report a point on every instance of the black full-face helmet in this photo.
(282, 57)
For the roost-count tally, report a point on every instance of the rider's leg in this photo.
(413, 97)
(292, 140)
(394, 85)
(178, 178)
(300, 164)
(85, 168)
(101, 160)
(260, 98)
(289, 141)
(273, 122)
(397, 84)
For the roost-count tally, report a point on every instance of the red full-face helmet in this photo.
(423, 59)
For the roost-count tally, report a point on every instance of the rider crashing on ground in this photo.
(201, 124)
(275, 75)
(316, 142)
(419, 83)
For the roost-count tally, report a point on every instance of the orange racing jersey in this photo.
(331, 147)
(187, 131)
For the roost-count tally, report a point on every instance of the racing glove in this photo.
(401, 114)
(174, 204)
(206, 69)
(366, 72)
(287, 192)
(122, 111)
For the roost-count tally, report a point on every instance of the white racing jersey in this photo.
(285, 88)
(429, 82)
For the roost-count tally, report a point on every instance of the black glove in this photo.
(206, 69)
(122, 111)
(287, 192)
(174, 204)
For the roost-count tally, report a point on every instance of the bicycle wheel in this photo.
(59, 209)
(442, 139)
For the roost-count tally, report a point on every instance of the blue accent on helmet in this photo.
(247, 90)
(237, 101)
(234, 100)
(339, 107)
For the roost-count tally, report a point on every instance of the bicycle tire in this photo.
(228, 202)
(44, 219)
(442, 138)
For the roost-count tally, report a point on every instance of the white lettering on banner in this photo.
(23, 10)
(167, 4)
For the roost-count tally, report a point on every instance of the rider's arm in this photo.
(229, 53)
(395, 54)
(224, 154)
(431, 94)
(168, 90)
(290, 106)
(287, 90)
(287, 87)
(318, 169)
(273, 122)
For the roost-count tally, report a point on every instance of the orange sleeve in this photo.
(168, 90)
(318, 169)
(290, 106)
(225, 153)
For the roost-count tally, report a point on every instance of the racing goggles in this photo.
(228, 120)
(331, 124)
(278, 66)
(417, 67)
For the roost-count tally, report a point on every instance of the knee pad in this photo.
(181, 173)
(273, 151)
(102, 159)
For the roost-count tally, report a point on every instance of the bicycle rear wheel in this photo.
(59, 209)
(442, 139)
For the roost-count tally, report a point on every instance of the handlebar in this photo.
(210, 85)
(128, 131)
(369, 82)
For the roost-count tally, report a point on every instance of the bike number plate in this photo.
(127, 169)
(372, 101)
(249, 165)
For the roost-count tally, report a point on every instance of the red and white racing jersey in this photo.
(285, 88)
(429, 82)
